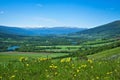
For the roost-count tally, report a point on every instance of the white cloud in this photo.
(39, 5)
(2, 12)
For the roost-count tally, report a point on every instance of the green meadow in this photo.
(104, 65)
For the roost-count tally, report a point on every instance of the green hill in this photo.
(7, 36)
(14, 31)
(108, 54)
(110, 30)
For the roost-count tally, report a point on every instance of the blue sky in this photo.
(53, 13)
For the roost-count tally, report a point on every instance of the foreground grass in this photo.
(100, 66)
(26, 68)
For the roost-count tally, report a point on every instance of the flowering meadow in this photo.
(26, 68)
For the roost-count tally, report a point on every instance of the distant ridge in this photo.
(56, 30)
(109, 30)
(14, 30)
(38, 31)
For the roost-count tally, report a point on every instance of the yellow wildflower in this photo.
(12, 76)
(65, 60)
(68, 59)
(90, 61)
(53, 66)
(78, 70)
(42, 59)
(62, 60)
(56, 73)
(27, 65)
(75, 75)
(22, 59)
(79, 67)
(97, 77)
(84, 65)
(0, 77)
(109, 73)
(73, 64)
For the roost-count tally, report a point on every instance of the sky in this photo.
(58, 13)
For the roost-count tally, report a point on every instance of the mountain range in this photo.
(109, 30)
(38, 31)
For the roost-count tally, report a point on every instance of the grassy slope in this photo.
(8, 56)
(104, 31)
(71, 70)
(106, 54)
